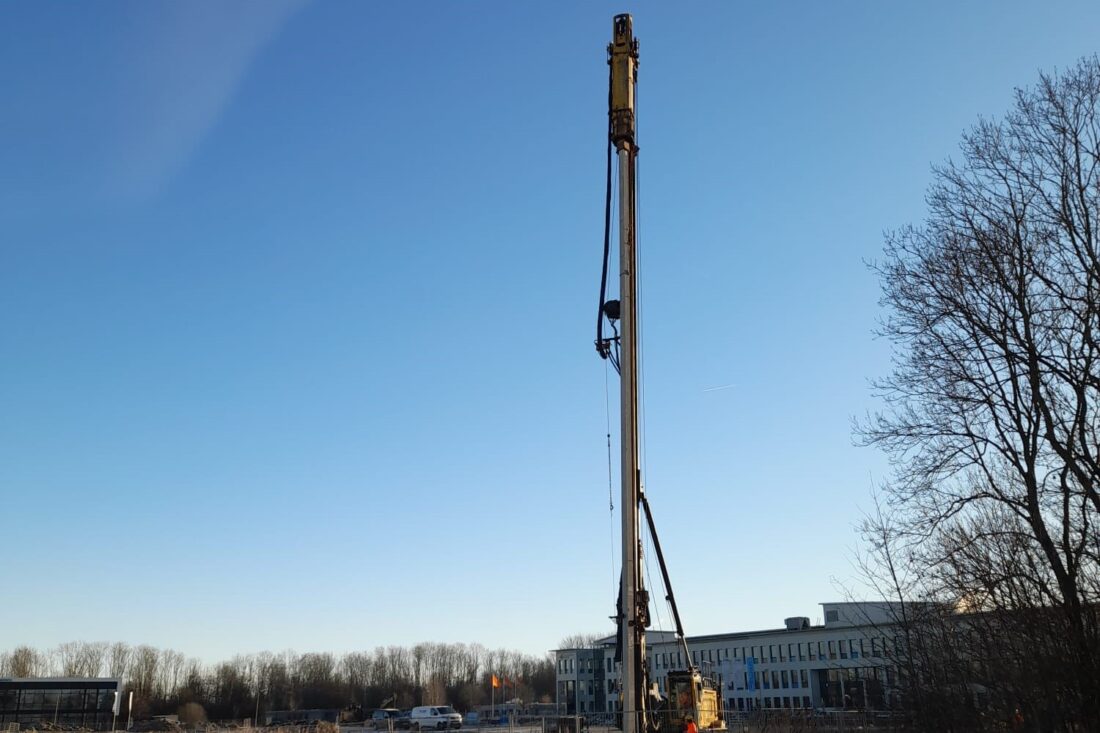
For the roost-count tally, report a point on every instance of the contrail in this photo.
(715, 389)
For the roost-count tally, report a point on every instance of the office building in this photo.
(846, 662)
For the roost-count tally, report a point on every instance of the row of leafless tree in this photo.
(988, 528)
(163, 680)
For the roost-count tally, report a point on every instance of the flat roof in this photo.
(46, 683)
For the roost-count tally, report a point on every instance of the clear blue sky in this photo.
(298, 299)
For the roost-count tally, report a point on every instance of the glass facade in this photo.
(84, 703)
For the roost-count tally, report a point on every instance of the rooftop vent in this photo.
(797, 623)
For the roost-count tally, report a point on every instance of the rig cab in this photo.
(690, 695)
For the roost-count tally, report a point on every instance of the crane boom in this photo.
(693, 699)
(623, 58)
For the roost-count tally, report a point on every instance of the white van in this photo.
(434, 717)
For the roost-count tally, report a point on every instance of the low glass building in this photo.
(81, 702)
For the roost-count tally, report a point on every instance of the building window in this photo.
(832, 650)
(853, 652)
(802, 651)
(805, 679)
(784, 679)
(843, 644)
(832, 616)
(813, 651)
(775, 680)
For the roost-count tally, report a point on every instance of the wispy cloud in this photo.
(190, 58)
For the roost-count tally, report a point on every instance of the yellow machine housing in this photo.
(690, 694)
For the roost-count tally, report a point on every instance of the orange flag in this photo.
(496, 681)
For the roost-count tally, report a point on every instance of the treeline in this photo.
(164, 681)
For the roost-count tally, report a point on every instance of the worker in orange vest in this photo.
(689, 725)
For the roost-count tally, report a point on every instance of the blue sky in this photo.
(298, 305)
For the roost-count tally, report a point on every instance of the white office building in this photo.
(847, 662)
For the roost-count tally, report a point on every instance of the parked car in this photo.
(434, 717)
(402, 721)
(380, 719)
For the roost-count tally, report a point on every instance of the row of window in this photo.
(20, 700)
(748, 703)
(884, 674)
(566, 664)
(790, 652)
(778, 679)
(873, 647)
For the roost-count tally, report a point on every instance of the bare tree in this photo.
(143, 671)
(79, 658)
(91, 658)
(581, 641)
(993, 408)
(67, 656)
(118, 660)
(26, 662)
